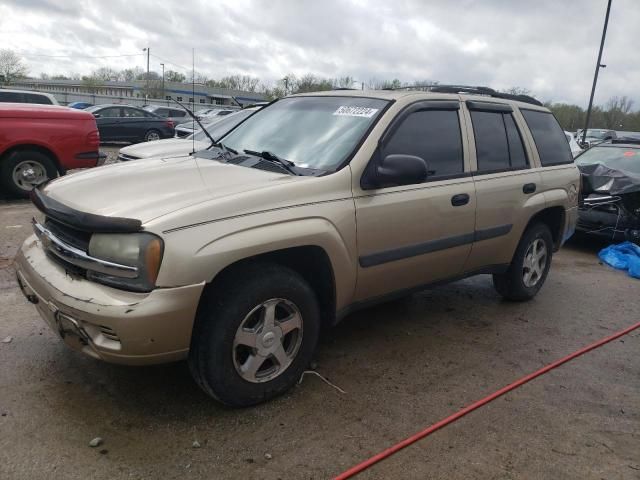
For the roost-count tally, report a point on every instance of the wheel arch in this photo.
(311, 262)
(554, 218)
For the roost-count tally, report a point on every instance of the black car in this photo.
(610, 206)
(131, 124)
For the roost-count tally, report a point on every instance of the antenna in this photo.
(193, 95)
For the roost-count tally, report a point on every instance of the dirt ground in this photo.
(403, 366)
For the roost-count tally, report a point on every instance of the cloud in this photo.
(547, 46)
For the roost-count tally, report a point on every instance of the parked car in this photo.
(40, 142)
(236, 256)
(176, 115)
(209, 116)
(215, 111)
(573, 145)
(594, 135)
(186, 129)
(182, 146)
(80, 105)
(128, 123)
(611, 191)
(27, 96)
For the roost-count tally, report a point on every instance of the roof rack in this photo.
(490, 92)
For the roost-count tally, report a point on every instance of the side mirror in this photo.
(400, 169)
(97, 115)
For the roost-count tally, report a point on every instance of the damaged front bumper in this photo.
(106, 323)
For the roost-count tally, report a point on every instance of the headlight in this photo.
(140, 250)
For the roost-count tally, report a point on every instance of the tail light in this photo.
(93, 138)
(170, 124)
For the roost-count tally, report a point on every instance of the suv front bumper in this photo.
(106, 323)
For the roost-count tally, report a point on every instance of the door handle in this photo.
(460, 199)
(529, 188)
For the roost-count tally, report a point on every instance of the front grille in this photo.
(109, 333)
(71, 236)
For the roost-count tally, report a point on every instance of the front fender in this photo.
(233, 240)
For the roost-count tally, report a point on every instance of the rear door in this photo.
(109, 122)
(134, 123)
(411, 235)
(505, 182)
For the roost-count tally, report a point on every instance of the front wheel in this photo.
(254, 334)
(529, 267)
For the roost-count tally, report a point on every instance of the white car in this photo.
(27, 96)
(170, 147)
(575, 148)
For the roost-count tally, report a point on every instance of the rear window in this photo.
(549, 138)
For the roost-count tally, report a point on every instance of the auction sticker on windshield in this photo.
(365, 112)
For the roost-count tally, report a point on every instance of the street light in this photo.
(163, 92)
(146, 95)
(599, 65)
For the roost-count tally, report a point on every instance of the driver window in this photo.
(433, 135)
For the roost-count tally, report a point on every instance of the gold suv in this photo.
(235, 257)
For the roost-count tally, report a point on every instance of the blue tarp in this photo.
(624, 256)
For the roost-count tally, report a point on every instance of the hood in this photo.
(155, 187)
(603, 179)
(169, 147)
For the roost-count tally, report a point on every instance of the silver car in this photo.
(177, 115)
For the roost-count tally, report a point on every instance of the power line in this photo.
(170, 62)
(80, 56)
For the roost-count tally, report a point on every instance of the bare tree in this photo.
(615, 112)
(517, 91)
(11, 66)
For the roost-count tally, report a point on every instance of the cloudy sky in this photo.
(546, 46)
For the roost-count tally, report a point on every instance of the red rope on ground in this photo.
(461, 413)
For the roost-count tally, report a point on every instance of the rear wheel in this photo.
(254, 335)
(152, 135)
(23, 170)
(529, 267)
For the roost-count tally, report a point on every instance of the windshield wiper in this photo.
(273, 158)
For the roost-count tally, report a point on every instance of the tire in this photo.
(22, 170)
(220, 360)
(523, 279)
(152, 135)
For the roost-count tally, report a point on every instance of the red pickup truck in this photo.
(39, 142)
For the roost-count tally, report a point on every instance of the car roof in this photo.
(25, 91)
(419, 95)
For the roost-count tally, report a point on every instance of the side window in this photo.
(163, 112)
(433, 135)
(498, 142)
(179, 113)
(110, 112)
(516, 147)
(132, 113)
(33, 98)
(13, 97)
(549, 137)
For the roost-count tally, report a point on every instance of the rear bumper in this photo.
(106, 323)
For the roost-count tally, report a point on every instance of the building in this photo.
(133, 93)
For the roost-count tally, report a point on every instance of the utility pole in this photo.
(146, 95)
(163, 92)
(599, 65)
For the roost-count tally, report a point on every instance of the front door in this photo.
(412, 235)
(108, 122)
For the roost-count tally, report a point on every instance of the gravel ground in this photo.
(403, 366)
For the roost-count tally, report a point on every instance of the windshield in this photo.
(618, 158)
(221, 127)
(312, 132)
(599, 134)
